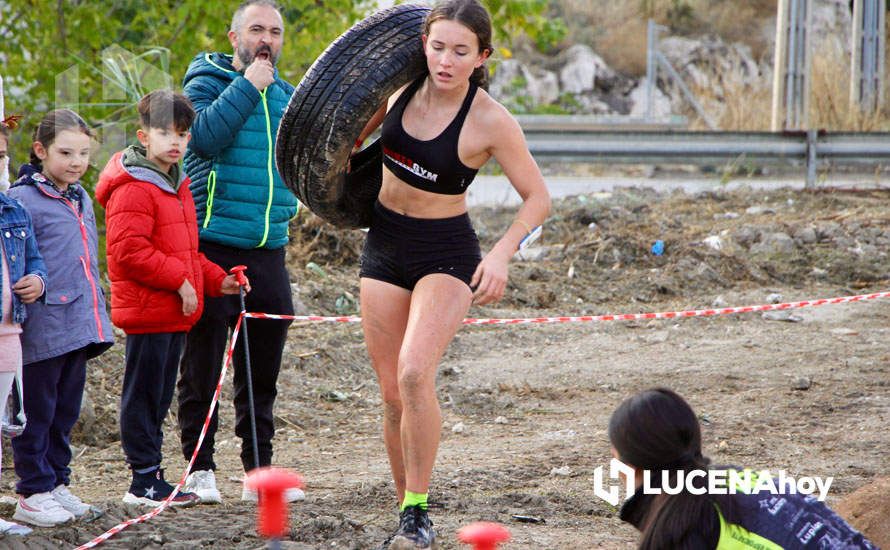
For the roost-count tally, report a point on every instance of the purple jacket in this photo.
(73, 315)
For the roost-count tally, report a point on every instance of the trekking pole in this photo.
(238, 272)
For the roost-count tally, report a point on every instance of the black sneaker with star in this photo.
(415, 531)
(151, 489)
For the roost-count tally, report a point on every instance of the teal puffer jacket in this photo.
(239, 196)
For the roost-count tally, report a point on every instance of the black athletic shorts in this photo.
(401, 250)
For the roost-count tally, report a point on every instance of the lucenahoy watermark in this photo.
(716, 482)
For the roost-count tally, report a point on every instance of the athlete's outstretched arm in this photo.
(511, 151)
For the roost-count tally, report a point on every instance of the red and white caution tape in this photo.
(469, 321)
(160, 508)
(610, 317)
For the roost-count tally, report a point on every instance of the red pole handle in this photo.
(238, 272)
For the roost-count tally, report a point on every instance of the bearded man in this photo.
(243, 210)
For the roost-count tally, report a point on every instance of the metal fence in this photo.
(569, 142)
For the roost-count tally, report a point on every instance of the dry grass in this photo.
(830, 106)
(745, 106)
(623, 47)
(313, 240)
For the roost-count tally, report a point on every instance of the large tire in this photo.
(333, 103)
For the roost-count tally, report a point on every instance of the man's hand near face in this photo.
(260, 73)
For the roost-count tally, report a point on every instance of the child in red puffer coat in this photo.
(158, 280)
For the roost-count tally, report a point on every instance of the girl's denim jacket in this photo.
(22, 254)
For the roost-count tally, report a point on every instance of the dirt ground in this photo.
(526, 407)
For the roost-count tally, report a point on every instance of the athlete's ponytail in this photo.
(657, 430)
(474, 16)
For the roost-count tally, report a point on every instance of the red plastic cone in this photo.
(270, 484)
(484, 535)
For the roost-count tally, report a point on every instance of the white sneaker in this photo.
(290, 495)
(70, 502)
(42, 510)
(10, 528)
(203, 484)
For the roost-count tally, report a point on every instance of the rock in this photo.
(513, 78)
(843, 331)
(719, 303)
(501, 420)
(867, 509)
(698, 272)
(503, 80)
(774, 243)
(334, 396)
(829, 231)
(458, 428)
(542, 86)
(807, 235)
(451, 370)
(802, 383)
(758, 210)
(818, 273)
(563, 471)
(746, 235)
(594, 105)
(782, 315)
(661, 104)
(865, 250)
(87, 417)
(712, 64)
(714, 242)
(578, 75)
(723, 445)
(726, 215)
(774, 298)
(299, 307)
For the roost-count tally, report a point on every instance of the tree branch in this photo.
(60, 23)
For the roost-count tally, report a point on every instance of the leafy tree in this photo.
(513, 18)
(99, 56)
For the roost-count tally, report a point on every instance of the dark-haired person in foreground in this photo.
(657, 431)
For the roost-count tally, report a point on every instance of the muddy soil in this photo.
(525, 407)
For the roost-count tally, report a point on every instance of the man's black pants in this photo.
(206, 346)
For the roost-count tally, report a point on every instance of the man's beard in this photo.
(246, 56)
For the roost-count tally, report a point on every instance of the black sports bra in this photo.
(431, 165)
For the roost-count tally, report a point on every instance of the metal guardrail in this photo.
(809, 149)
(583, 123)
